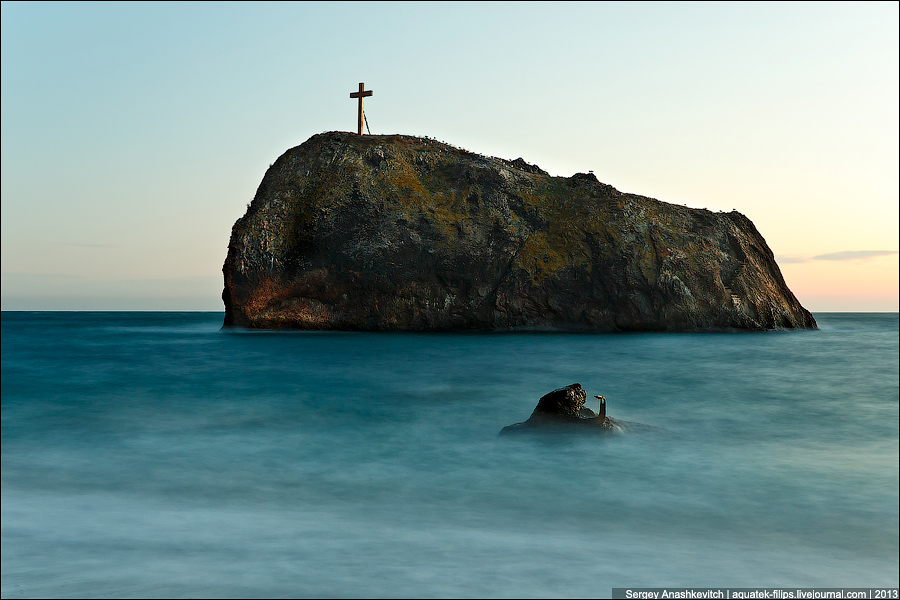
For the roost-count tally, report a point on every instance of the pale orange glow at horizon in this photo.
(826, 286)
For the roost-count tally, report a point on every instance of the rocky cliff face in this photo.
(409, 234)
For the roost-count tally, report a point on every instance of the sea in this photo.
(158, 455)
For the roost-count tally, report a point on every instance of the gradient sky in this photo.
(134, 135)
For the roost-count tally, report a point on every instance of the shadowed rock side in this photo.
(564, 410)
(408, 234)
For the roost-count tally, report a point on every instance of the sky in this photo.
(134, 135)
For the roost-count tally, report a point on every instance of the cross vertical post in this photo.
(362, 93)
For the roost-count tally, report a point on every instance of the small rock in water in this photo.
(564, 409)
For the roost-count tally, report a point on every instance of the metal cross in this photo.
(362, 93)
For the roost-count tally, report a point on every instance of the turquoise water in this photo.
(152, 454)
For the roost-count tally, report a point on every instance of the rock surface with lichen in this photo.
(409, 234)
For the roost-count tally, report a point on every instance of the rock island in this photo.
(400, 233)
(563, 410)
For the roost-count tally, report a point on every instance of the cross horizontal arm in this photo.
(361, 94)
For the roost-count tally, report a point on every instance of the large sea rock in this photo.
(409, 234)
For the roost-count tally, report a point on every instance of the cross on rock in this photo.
(362, 93)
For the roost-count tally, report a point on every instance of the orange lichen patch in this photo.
(410, 190)
(302, 313)
(539, 259)
(402, 177)
(271, 296)
(570, 215)
(260, 297)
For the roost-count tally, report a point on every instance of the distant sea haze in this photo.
(154, 454)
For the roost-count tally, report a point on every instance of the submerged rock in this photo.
(409, 234)
(564, 410)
